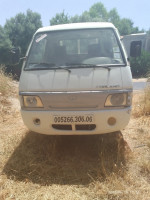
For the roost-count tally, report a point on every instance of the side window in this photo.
(116, 50)
(38, 49)
(135, 48)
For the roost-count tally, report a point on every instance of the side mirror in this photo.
(135, 48)
(15, 55)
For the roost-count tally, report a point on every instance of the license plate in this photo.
(86, 119)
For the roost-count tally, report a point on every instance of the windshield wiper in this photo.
(44, 65)
(82, 65)
(61, 67)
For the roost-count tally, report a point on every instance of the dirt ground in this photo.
(99, 167)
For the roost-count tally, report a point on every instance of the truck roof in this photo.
(86, 25)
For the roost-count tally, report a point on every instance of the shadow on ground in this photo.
(64, 160)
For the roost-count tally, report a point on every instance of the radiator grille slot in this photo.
(85, 127)
(77, 127)
(62, 127)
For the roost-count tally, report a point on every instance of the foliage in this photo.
(140, 65)
(126, 27)
(61, 18)
(114, 17)
(85, 17)
(5, 45)
(21, 28)
(98, 13)
(148, 32)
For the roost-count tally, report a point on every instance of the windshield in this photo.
(74, 48)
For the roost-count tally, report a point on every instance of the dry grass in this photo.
(8, 94)
(41, 167)
(141, 103)
(5, 82)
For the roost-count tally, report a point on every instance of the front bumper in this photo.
(46, 126)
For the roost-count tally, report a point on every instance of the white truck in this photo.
(142, 38)
(76, 80)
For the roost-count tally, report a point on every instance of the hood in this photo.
(79, 79)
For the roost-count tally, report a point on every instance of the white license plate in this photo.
(82, 119)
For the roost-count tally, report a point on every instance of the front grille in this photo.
(83, 100)
(62, 127)
(85, 127)
(78, 127)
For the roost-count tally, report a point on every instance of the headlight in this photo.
(32, 101)
(119, 99)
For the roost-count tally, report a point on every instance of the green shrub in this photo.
(140, 65)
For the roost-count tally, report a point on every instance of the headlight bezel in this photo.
(124, 102)
(32, 101)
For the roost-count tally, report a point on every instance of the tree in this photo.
(85, 17)
(5, 46)
(21, 28)
(60, 18)
(125, 27)
(114, 17)
(98, 13)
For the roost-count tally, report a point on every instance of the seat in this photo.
(60, 54)
(56, 54)
(94, 50)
